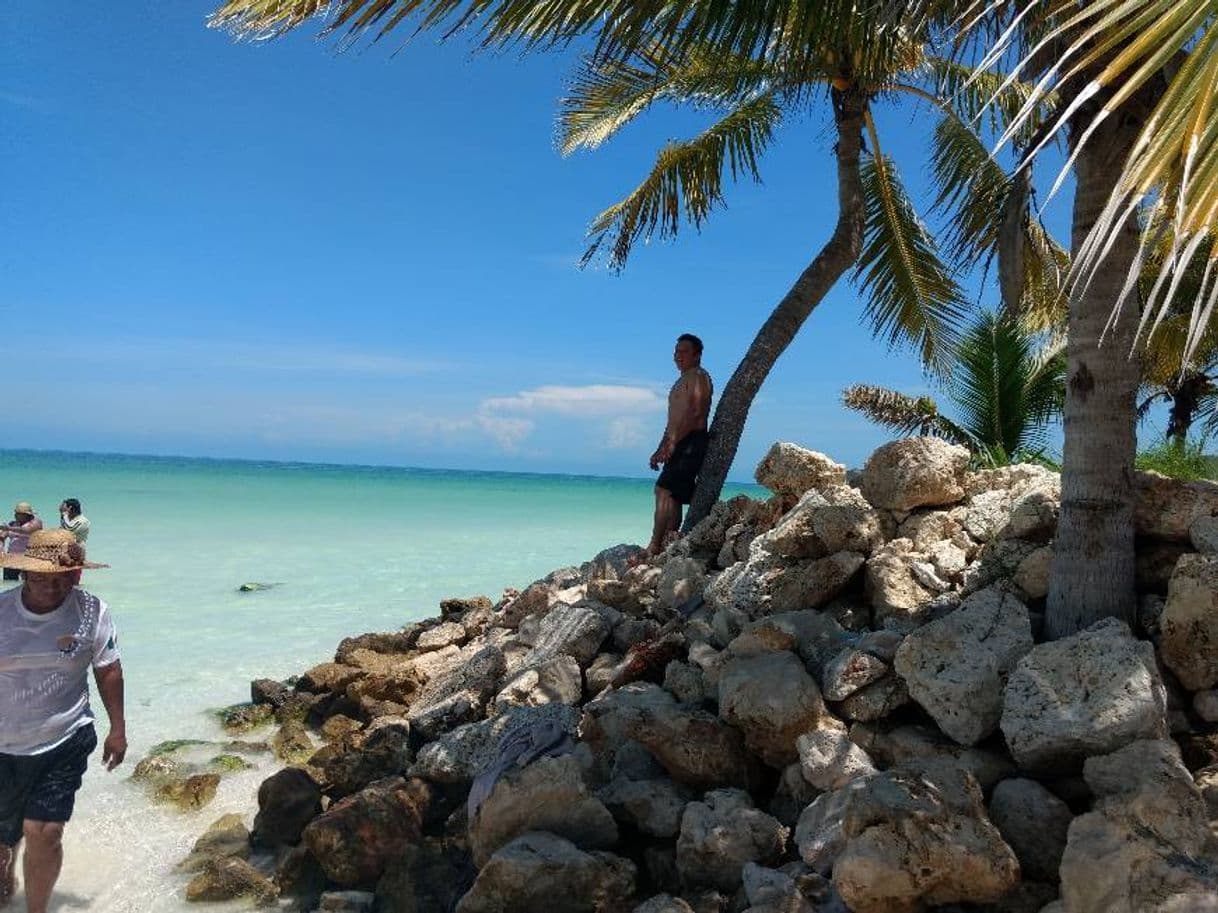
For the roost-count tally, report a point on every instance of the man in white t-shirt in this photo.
(71, 519)
(51, 633)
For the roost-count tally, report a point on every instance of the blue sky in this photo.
(271, 250)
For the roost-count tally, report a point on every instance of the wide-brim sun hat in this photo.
(23, 507)
(50, 551)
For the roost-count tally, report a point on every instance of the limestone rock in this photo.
(829, 760)
(541, 871)
(836, 519)
(1034, 823)
(653, 806)
(956, 667)
(429, 875)
(447, 633)
(694, 747)
(916, 747)
(1032, 574)
(459, 694)
(771, 699)
(721, 834)
(547, 795)
(1203, 534)
(1189, 623)
(663, 903)
(915, 472)
(768, 583)
(555, 680)
(789, 470)
(892, 587)
(850, 671)
(1167, 508)
(328, 677)
(681, 580)
(356, 836)
(458, 756)
(1082, 695)
(877, 700)
(229, 878)
(573, 631)
(685, 682)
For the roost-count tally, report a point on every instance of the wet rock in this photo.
(789, 470)
(188, 793)
(331, 678)
(356, 836)
(227, 836)
(240, 718)
(771, 699)
(956, 667)
(287, 801)
(230, 878)
(829, 760)
(721, 834)
(292, 744)
(547, 795)
(269, 691)
(541, 871)
(1189, 623)
(915, 472)
(1034, 823)
(1081, 696)
(338, 727)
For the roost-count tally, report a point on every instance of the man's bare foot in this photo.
(8, 876)
(641, 557)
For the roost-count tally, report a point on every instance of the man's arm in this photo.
(110, 687)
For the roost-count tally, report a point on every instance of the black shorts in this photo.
(11, 573)
(42, 787)
(680, 473)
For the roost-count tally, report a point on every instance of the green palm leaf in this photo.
(911, 294)
(686, 182)
(605, 95)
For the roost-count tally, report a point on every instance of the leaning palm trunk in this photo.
(835, 258)
(1092, 575)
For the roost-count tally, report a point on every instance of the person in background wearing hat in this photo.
(71, 519)
(17, 533)
(51, 633)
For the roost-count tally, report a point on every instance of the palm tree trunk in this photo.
(1092, 574)
(835, 258)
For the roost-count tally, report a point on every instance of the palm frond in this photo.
(901, 413)
(912, 297)
(605, 95)
(984, 96)
(686, 182)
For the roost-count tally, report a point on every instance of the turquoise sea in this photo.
(348, 548)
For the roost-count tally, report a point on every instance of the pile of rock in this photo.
(834, 699)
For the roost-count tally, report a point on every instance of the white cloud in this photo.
(507, 432)
(626, 432)
(588, 401)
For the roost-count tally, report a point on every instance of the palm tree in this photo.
(1135, 81)
(1006, 384)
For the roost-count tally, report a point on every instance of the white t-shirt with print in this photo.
(44, 666)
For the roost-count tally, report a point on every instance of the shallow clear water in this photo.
(349, 549)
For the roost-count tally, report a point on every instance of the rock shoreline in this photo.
(836, 699)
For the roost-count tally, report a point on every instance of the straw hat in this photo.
(50, 551)
(23, 507)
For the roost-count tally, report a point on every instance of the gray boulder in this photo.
(721, 834)
(1189, 623)
(771, 698)
(1034, 823)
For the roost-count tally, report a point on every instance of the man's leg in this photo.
(8, 873)
(43, 860)
(667, 520)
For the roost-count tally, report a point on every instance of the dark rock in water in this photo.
(269, 691)
(172, 746)
(430, 875)
(229, 763)
(230, 878)
(189, 793)
(287, 801)
(357, 836)
(299, 875)
(254, 586)
(226, 837)
(292, 744)
(402, 641)
(354, 761)
(239, 718)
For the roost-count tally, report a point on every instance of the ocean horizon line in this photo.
(326, 464)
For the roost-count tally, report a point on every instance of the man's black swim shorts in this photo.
(680, 473)
(42, 787)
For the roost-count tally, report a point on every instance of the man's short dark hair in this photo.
(72, 504)
(692, 340)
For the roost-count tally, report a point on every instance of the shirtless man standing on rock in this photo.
(683, 446)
